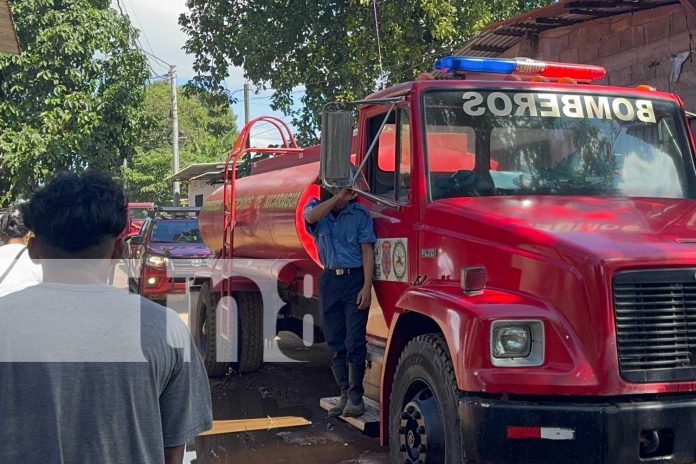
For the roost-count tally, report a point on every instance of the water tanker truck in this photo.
(535, 283)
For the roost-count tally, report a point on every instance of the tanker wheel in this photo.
(424, 425)
(250, 346)
(250, 336)
(205, 331)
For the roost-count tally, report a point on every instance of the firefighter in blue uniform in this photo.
(345, 236)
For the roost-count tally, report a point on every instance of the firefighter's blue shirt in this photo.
(340, 236)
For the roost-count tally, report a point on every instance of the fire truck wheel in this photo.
(423, 420)
(250, 310)
(205, 333)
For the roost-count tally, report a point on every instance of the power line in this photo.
(140, 26)
(379, 40)
(266, 97)
(427, 56)
(156, 58)
(136, 43)
(273, 129)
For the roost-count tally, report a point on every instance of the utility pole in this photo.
(124, 170)
(246, 102)
(247, 114)
(175, 136)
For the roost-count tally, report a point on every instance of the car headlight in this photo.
(517, 343)
(156, 261)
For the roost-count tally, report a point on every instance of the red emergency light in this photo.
(520, 66)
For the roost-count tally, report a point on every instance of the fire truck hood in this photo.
(603, 228)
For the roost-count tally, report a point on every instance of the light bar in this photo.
(524, 66)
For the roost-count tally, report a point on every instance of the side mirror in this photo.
(336, 137)
(136, 240)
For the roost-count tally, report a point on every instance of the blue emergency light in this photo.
(524, 66)
(472, 64)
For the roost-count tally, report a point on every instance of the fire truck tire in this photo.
(423, 421)
(205, 331)
(250, 311)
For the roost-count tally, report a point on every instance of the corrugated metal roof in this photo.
(194, 170)
(498, 38)
(8, 35)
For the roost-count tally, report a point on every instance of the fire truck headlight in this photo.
(517, 343)
(156, 261)
(512, 342)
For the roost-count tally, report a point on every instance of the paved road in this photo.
(280, 389)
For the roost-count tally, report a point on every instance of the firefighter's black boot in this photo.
(341, 375)
(356, 405)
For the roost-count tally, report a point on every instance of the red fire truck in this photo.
(535, 287)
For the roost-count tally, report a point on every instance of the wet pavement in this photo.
(285, 389)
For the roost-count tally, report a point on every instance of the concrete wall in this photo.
(637, 48)
(199, 187)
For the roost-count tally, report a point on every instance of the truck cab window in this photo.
(404, 155)
(390, 168)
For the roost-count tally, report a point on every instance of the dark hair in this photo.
(12, 224)
(74, 213)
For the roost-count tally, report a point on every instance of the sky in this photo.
(161, 35)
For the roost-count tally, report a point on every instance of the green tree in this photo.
(206, 133)
(329, 47)
(72, 99)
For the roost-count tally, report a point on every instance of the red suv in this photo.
(168, 250)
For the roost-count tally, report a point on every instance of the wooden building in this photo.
(8, 37)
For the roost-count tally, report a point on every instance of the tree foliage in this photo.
(206, 133)
(72, 99)
(329, 46)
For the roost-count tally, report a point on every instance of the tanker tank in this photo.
(270, 210)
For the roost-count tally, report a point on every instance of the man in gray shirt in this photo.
(89, 373)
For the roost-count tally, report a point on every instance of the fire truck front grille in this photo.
(655, 314)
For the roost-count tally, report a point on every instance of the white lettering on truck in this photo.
(472, 100)
(626, 114)
(525, 102)
(597, 107)
(551, 105)
(644, 111)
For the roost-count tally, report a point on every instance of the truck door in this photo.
(388, 172)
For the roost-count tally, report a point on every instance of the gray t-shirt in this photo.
(90, 373)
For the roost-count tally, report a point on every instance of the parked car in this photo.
(137, 213)
(167, 251)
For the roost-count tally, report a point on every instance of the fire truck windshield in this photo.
(543, 143)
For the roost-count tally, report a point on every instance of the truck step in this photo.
(368, 422)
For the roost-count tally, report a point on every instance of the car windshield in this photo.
(525, 143)
(182, 231)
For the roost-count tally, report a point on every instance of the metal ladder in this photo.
(242, 147)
